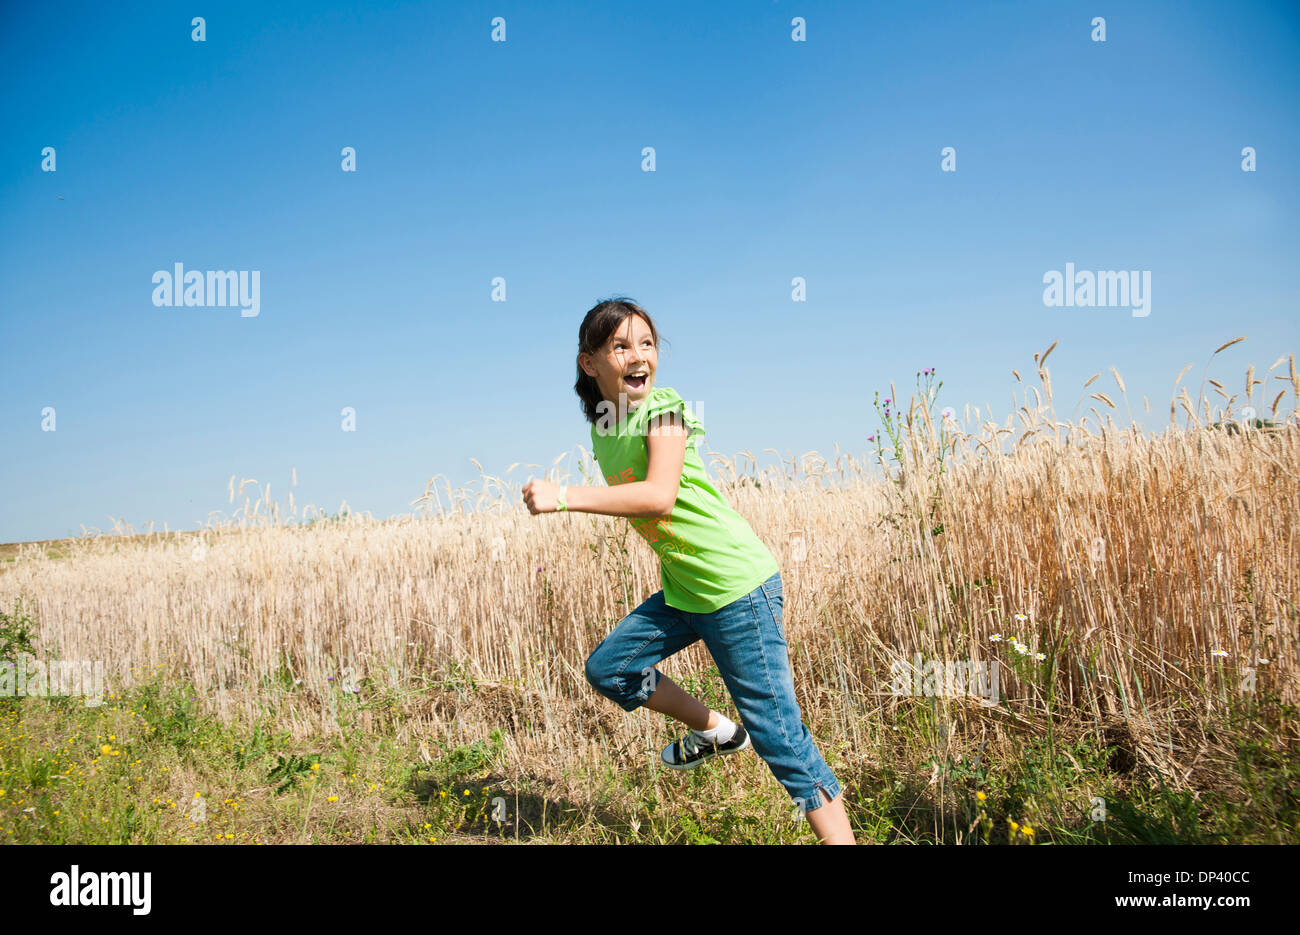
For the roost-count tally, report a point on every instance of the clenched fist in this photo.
(541, 496)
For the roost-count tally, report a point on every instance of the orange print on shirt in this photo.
(654, 529)
(625, 478)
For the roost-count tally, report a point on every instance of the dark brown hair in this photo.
(598, 324)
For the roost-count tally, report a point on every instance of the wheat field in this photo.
(1157, 575)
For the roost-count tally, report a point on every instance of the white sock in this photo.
(722, 733)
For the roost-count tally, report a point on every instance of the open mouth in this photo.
(636, 381)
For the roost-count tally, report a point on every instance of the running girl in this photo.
(720, 583)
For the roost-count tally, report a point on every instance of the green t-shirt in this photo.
(708, 554)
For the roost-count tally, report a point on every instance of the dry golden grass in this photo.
(1134, 557)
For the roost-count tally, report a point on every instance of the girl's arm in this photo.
(650, 498)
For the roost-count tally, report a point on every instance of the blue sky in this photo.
(522, 159)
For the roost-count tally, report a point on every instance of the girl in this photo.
(720, 583)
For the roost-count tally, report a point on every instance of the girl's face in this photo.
(626, 364)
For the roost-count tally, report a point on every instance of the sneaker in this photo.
(692, 750)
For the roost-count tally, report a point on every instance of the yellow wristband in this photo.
(564, 492)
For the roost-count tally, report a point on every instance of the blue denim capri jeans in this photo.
(747, 641)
